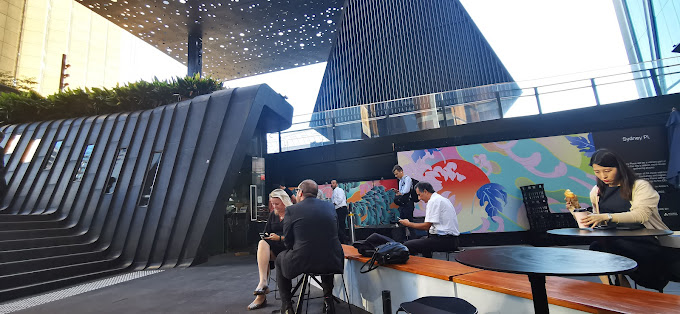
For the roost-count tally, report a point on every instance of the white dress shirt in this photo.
(442, 215)
(339, 198)
(405, 184)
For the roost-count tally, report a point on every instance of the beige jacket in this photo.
(644, 209)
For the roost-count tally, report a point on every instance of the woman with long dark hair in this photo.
(621, 198)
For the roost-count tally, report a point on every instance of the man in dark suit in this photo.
(311, 236)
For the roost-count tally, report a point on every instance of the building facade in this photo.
(37, 33)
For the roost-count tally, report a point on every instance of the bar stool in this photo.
(436, 305)
(305, 294)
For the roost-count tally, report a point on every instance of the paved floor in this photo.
(222, 285)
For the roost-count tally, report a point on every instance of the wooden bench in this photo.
(573, 294)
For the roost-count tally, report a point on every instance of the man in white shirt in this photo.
(441, 221)
(403, 200)
(340, 202)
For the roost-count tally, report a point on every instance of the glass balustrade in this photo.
(477, 104)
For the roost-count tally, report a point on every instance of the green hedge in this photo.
(31, 106)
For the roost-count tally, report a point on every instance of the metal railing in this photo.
(477, 104)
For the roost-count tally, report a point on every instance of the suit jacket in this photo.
(311, 236)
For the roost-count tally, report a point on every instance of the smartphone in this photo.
(264, 235)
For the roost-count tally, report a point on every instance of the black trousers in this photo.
(432, 243)
(342, 224)
(285, 285)
(405, 212)
(652, 271)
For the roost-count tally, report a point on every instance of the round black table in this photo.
(588, 232)
(538, 262)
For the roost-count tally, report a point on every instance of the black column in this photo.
(195, 61)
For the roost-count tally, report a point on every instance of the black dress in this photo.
(275, 225)
(646, 251)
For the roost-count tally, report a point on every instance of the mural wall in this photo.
(482, 180)
(372, 202)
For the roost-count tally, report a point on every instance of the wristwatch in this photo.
(610, 217)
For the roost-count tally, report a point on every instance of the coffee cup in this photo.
(580, 214)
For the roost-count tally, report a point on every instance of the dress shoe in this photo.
(255, 306)
(262, 291)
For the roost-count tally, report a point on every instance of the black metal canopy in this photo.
(240, 37)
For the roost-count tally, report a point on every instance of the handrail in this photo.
(520, 89)
(439, 107)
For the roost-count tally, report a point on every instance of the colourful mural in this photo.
(372, 202)
(482, 180)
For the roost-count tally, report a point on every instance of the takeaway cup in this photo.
(579, 214)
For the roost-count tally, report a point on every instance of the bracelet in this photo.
(280, 238)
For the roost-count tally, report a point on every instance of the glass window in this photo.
(53, 155)
(83, 163)
(30, 151)
(12, 144)
(117, 166)
(150, 179)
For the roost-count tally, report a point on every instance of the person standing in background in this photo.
(340, 202)
(285, 189)
(403, 200)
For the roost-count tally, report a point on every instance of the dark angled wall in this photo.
(125, 191)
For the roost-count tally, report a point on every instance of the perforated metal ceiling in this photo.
(240, 37)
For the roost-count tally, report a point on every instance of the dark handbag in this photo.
(367, 247)
(388, 253)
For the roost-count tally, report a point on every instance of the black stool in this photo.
(305, 283)
(437, 305)
(458, 250)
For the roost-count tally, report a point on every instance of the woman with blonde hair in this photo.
(270, 245)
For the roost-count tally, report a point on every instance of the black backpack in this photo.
(410, 197)
(412, 194)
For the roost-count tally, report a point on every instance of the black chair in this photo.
(437, 305)
(304, 295)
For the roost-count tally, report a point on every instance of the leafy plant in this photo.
(31, 106)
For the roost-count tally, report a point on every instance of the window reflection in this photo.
(117, 166)
(53, 155)
(150, 179)
(84, 162)
(12, 144)
(30, 151)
